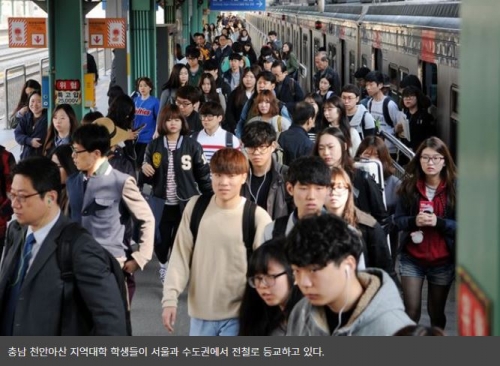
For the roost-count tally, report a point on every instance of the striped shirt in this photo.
(171, 185)
(217, 141)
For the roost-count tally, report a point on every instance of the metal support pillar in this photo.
(66, 51)
(142, 40)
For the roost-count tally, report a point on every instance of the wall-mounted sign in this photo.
(107, 32)
(68, 92)
(27, 32)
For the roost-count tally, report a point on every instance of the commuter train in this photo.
(397, 38)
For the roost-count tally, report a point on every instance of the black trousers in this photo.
(170, 220)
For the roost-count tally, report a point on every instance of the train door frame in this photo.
(343, 72)
(427, 75)
(315, 46)
(351, 68)
(305, 36)
(331, 53)
(377, 59)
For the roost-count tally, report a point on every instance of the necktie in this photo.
(12, 296)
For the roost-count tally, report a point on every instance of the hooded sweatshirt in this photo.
(366, 127)
(379, 311)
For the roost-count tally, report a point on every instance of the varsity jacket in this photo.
(192, 172)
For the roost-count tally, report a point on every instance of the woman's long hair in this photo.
(346, 161)
(415, 173)
(240, 91)
(212, 96)
(269, 96)
(256, 317)
(349, 214)
(24, 98)
(122, 112)
(51, 134)
(173, 81)
(377, 145)
(344, 125)
(286, 55)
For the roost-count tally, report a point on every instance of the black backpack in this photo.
(385, 110)
(248, 226)
(65, 242)
(229, 138)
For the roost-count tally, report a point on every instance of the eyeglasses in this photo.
(339, 187)
(183, 104)
(21, 198)
(266, 280)
(208, 117)
(260, 149)
(435, 159)
(75, 151)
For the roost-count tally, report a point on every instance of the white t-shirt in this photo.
(377, 112)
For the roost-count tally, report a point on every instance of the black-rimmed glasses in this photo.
(266, 280)
(21, 198)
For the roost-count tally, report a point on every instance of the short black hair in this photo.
(210, 65)
(302, 113)
(267, 76)
(192, 51)
(189, 92)
(318, 240)
(350, 88)
(258, 133)
(212, 108)
(375, 77)
(93, 137)
(280, 64)
(91, 117)
(42, 172)
(361, 72)
(235, 56)
(309, 170)
(272, 33)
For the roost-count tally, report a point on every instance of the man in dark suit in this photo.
(31, 287)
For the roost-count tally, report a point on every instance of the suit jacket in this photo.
(97, 303)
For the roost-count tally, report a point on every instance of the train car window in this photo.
(430, 80)
(364, 61)
(305, 54)
(317, 44)
(377, 56)
(393, 75)
(352, 66)
(454, 101)
(332, 55)
(403, 72)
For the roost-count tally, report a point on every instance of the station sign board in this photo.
(238, 5)
(107, 32)
(27, 32)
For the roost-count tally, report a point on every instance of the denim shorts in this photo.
(442, 275)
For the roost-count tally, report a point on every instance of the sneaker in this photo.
(162, 272)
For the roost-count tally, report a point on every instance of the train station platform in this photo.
(7, 135)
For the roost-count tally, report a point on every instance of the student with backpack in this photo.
(34, 297)
(265, 183)
(308, 181)
(213, 137)
(359, 117)
(382, 108)
(214, 257)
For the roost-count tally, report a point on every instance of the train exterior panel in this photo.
(420, 38)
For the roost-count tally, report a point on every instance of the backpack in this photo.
(65, 241)
(385, 111)
(279, 229)
(229, 138)
(248, 226)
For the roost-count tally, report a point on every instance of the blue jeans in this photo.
(226, 327)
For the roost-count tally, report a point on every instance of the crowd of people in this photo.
(236, 160)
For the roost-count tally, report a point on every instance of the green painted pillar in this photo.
(212, 17)
(479, 159)
(185, 24)
(195, 23)
(66, 51)
(142, 30)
